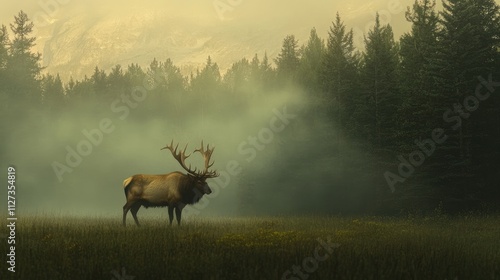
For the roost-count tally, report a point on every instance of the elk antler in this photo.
(207, 154)
(180, 157)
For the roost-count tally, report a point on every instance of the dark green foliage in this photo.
(340, 81)
(52, 91)
(288, 60)
(309, 72)
(23, 66)
(238, 77)
(379, 84)
(4, 56)
(206, 80)
(417, 84)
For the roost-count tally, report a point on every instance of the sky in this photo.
(268, 14)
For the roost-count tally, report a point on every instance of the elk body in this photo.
(173, 190)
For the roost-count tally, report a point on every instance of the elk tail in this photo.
(126, 184)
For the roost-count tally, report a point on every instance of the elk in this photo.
(173, 190)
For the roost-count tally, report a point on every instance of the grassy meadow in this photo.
(465, 247)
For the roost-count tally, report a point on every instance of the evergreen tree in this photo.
(288, 59)
(4, 47)
(267, 73)
(417, 114)
(237, 78)
(208, 80)
(379, 80)
(168, 85)
(255, 75)
(83, 90)
(116, 82)
(135, 76)
(70, 87)
(310, 63)
(99, 81)
(4, 56)
(24, 66)
(52, 91)
(468, 52)
(254, 65)
(340, 76)
(175, 81)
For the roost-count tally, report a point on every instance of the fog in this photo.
(283, 174)
(68, 162)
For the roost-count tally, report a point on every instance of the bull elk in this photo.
(173, 190)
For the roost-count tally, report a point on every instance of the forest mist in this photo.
(314, 129)
(284, 163)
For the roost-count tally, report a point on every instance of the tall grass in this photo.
(256, 248)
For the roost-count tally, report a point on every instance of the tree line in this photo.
(432, 96)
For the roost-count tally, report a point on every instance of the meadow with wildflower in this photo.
(465, 247)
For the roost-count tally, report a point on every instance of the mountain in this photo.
(73, 45)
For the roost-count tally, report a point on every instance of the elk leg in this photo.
(178, 211)
(126, 207)
(134, 210)
(171, 214)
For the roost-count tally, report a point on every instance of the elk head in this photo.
(199, 177)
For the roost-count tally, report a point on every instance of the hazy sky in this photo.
(303, 11)
(256, 12)
(244, 28)
(219, 12)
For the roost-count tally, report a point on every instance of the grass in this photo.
(257, 248)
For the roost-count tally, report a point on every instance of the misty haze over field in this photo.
(135, 76)
(73, 38)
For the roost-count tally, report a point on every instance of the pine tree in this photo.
(379, 81)
(237, 78)
(340, 77)
(467, 55)
(4, 56)
(255, 72)
(208, 80)
(70, 87)
(173, 76)
(267, 73)
(135, 76)
(417, 51)
(100, 84)
(116, 84)
(4, 47)
(52, 92)
(24, 66)
(311, 62)
(83, 90)
(288, 59)
(418, 114)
